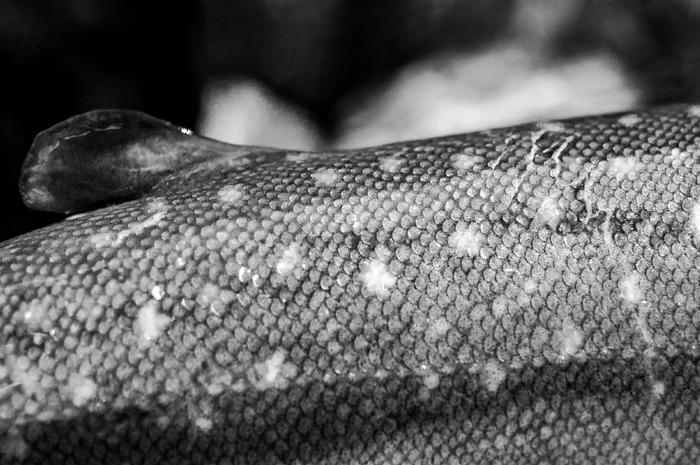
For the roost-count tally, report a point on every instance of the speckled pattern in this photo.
(525, 295)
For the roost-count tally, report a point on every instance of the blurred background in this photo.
(322, 74)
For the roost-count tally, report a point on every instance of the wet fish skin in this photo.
(517, 296)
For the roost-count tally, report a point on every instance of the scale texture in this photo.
(525, 295)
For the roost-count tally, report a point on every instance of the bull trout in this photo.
(526, 295)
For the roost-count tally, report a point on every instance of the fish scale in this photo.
(515, 296)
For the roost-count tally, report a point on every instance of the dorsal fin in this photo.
(110, 156)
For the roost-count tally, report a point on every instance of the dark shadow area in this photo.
(634, 410)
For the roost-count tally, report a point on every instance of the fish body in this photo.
(523, 295)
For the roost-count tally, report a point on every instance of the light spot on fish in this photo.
(658, 389)
(23, 374)
(549, 212)
(630, 288)
(570, 338)
(694, 110)
(157, 206)
(103, 239)
(391, 164)
(467, 239)
(273, 372)
(492, 375)
(629, 120)
(677, 156)
(81, 389)
(552, 127)
(203, 423)
(463, 161)
(695, 220)
(290, 259)
(219, 383)
(326, 176)
(297, 157)
(381, 374)
(230, 194)
(377, 278)
(438, 328)
(150, 323)
(624, 167)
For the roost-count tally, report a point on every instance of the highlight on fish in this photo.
(522, 295)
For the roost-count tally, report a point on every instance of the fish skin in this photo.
(524, 295)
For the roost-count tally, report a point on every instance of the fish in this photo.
(522, 295)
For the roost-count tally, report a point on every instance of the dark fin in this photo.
(109, 156)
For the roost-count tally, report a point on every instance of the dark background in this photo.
(60, 58)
